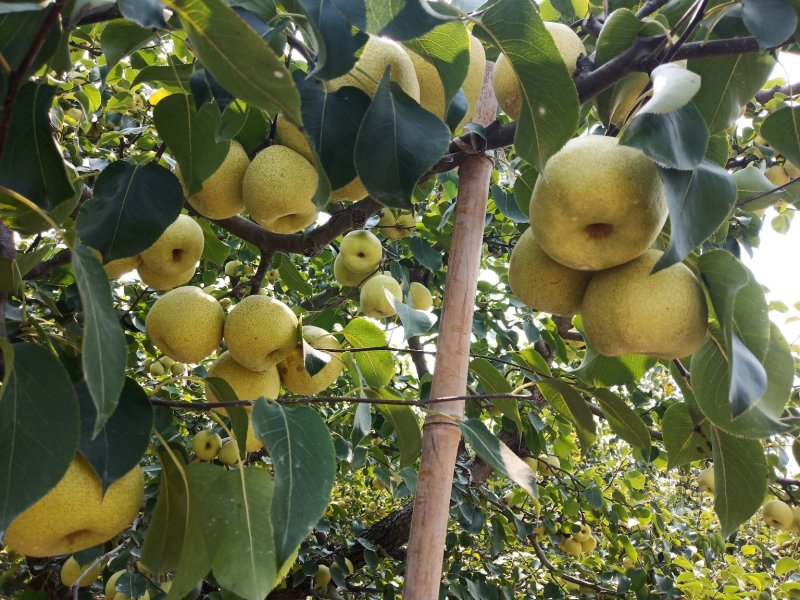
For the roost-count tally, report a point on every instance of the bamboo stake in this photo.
(441, 434)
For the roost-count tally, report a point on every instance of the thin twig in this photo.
(76, 585)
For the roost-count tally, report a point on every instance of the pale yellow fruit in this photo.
(386, 224)
(322, 578)
(584, 534)
(589, 545)
(229, 454)
(252, 442)
(233, 268)
(792, 171)
(473, 84)
(796, 519)
(507, 89)
(345, 277)
(156, 369)
(289, 135)
(778, 514)
(377, 54)
(777, 175)
(246, 384)
(705, 480)
(294, 376)
(221, 194)
(548, 465)
(260, 331)
(626, 310)
(121, 266)
(111, 592)
(627, 94)
(593, 218)
(542, 283)
(186, 324)
(279, 188)
(160, 281)
(419, 297)
(71, 570)
(361, 251)
(75, 514)
(405, 225)
(354, 190)
(206, 444)
(167, 361)
(178, 249)
(571, 546)
(374, 302)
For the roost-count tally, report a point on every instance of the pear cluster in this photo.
(588, 251)
(396, 226)
(579, 543)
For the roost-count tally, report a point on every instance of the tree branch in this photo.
(537, 548)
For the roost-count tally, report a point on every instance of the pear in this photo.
(279, 188)
(571, 546)
(177, 250)
(387, 224)
(294, 376)
(377, 54)
(597, 204)
(160, 281)
(76, 514)
(345, 277)
(705, 480)
(117, 268)
(289, 135)
(589, 545)
(361, 251)
(354, 190)
(628, 310)
(374, 302)
(186, 324)
(547, 465)
(419, 297)
(206, 444)
(221, 194)
(504, 80)
(72, 569)
(260, 331)
(777, 175)
(584, 534)
(778, 514)
(542, 283)
(111, 587)
(229, 454)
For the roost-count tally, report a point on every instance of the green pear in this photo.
(260, 331)
(289, 135)
(584, 534)
(221, 194)
(117, 268)
(705, 480)
(374, 302)
(345, 277)
(206, 444)
(593, 218)
(571, 546)
(629, 310)
(160, 281)
(361, 251)
(72, 569)
(778, 514)
(419, 297)
(178, 249)
(294, 376)
(229, 453)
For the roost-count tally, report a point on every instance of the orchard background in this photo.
(101, 101)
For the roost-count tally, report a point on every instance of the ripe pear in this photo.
(279, 188)
(548, 465)
(110, 588)
(206, 444)
(72, 569)
(260, 331)
(405, 225)
(792, 171)
(796, 519)
(354, 190)
(597, 204)
(628, 310)
(289, 135)
(75, 514)
(542, 283)
(778, 514)
(345, 277)
(419, 297)
(178, 249)
(571, 546)
(777, 175)
(374, 302)
(377, 54)
(589, 545)
(386, 224)
(322, 578)
(221, 194)
(705, 480)
(584, 534)
(229, 454)
(160, 281)
(294, 376)
(361, 251)
(186, 324)
(504, 80)
(247, 384)
(117, 268)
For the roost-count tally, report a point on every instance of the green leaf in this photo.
(623, 420)
(239, 532)
(237, 56)
(31, 164)
(740, 479)
(146, 13)
(684, 439)
(104, 352)
(304, 462)
(291, 276)
(131, 208)
(314, 360)
(771, 22)
(177, 75)
(699, 202)
(214, 249)
(531, 359)
(39, 427)
(18, 30)
(124, 438)
(597, 369)
(415, 322)
(728, 83)
(336, 41)
(569, 402)
(191, 137)
(121, 38)
(399, 20)
(425, 254)
(406, 427)
(494, 382)
(506, 203)
(376, 366)
(782, 130)
(397, 143)
(498, 455)
(447, 48)
(523, 188)
(675, 140)
(550, 106)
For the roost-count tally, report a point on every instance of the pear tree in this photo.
(397, 299)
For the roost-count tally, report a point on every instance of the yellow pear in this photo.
(260, 331)
(705, 480)
(589, 545)
(584, 534)
(597, 204)
(110, 588)
(344, 276)
(229, 454)
(374, 302)
(419, 297)
(178, 249)
(405, 225)
(361, 251)
(542, 283)
(160, 281)
(777, 175)
(504, 79)
(75, 514)
(117, 268)
(386, 224)
(289, 135)
(377, 54)
(778, 514)
(354, 190)
(294, 376)
(186, 324)
(322, 578)
(473, 84)
(792, 171)
(571, 546)
(796, 520)
(206, 444)
(72, 569)
(548, 464)
(279, 188)
(221, 194)
(628, 310)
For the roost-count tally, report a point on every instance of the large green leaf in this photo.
(397, 143)
(376, 366)
(121, 38)
(597, 369)
(494, 382)
(124, 438)
(623, 420)
(494, 452)
(39, 427)
(237, 56)
(131, 208)
(699, 202)
(415, 322)
(399, 19)
(740, 479)
(18, 29)
(782, 130)
(103, 351)
(550, 104)
(146, 13)
(406, 427)
(771, 22)
(569, 402)
(304, 463)
(676, 140)
(684, 440)
(191, 137)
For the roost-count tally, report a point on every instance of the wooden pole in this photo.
(441, 434)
